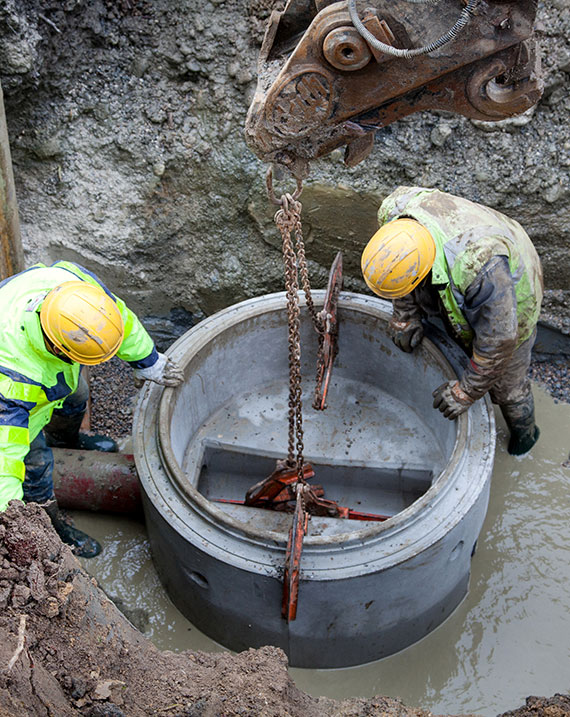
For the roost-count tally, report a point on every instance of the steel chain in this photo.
(316, 318)
(320, 372)
(304, 272)
(288, 220)
(285, 221)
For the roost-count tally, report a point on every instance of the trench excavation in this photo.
(378, 449)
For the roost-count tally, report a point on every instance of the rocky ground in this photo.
(113, 397)
(67, 650)
(554, 376)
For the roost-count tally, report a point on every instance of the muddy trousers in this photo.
(512, 393)
(63, 428)
(38, 483)
(38, 488)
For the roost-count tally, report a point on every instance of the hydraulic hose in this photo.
(450, 35)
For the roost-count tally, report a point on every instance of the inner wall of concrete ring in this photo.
(368, 595)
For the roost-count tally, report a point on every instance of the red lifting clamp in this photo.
(328, 346)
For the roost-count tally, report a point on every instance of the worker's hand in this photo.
(451, 400)
(406, 334)
(164, 371)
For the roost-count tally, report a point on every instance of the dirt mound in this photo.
(67, 650)
(556, 706)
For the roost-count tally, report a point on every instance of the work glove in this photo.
(164, 371)
(406, 334)
(451, 400)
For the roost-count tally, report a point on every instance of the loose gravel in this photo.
(113, 398)
(113, 394)
(554, 376)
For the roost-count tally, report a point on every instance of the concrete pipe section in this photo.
(367, 589)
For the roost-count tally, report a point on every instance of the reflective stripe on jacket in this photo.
(33, 382)
(467, 236)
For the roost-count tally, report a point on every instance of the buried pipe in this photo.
(93, 480)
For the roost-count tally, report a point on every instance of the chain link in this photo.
(288, 221)
(285, 219)
(304, 272)
(320, 372)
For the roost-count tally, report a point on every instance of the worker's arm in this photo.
(15, 405)
(137, 347)
(491, 310)
(139, 350)
(405, 326)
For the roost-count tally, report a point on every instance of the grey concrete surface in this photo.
(367, 589)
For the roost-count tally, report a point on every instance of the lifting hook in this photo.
(285, 197)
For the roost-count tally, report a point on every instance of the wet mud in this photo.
(65, 649)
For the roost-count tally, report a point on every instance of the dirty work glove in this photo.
(406, 334)
(451, 400)
(164, 371)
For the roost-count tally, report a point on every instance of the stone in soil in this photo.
(113, 396)
(554, 376)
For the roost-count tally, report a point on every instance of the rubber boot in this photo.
(63, 432)
(520, 420)
(83, 545)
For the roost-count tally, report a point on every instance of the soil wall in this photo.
(126, 123)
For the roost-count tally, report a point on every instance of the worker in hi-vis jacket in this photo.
(436, 254)
(54, 320)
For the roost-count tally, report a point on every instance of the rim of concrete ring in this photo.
(203, 334)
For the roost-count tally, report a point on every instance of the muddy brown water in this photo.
(508, 639)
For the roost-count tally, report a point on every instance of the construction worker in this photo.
(436, 254)
(53, 320)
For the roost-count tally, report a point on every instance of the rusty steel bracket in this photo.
(307, 503)
(329, 348)
(283, 491)
(315, 504)
(279, 490)
(284, 501)
(297, 533)
(322, 85)
(275, 488)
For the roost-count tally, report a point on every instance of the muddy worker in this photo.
(436, 254)
(56, 319)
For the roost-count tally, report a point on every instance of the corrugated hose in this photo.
(450, 35)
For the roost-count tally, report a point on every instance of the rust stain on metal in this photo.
(321, 85)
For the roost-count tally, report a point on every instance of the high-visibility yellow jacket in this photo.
(33, 382)
(467, 236)
(486, 276)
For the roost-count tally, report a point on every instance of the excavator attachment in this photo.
(332, 73)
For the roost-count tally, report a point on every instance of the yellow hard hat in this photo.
(82, 321)
(397, 258)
